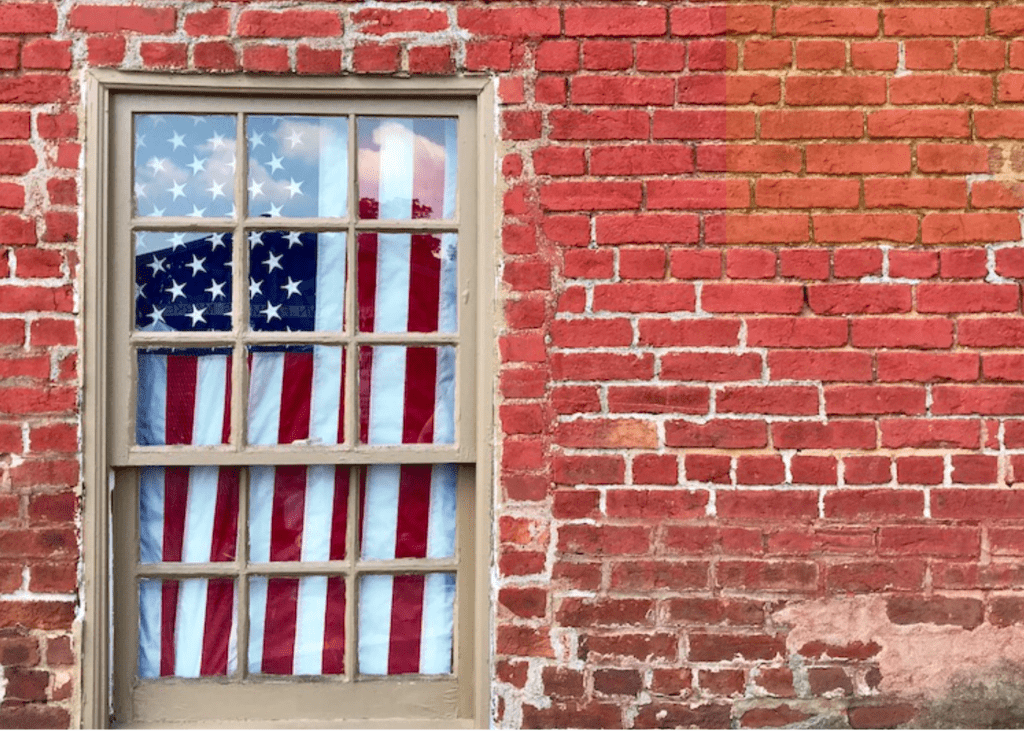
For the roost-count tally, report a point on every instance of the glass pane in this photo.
(188, 514)
(405, 624)
(296, 280)
(407, 283)
(408, 511)
(408, 167)
(187, 628)
(406, 395)
(182, 281)
(184, 396)
(297, 625)
(184, 165)
(298, 166)
(297, 513)
(296, 394)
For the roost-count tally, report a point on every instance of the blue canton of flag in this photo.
(283, 280)
(185, 285)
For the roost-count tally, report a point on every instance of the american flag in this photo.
(406, 283)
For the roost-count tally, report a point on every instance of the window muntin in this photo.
(363, 347)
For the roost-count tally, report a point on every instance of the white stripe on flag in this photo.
(441, 515)
(310, 621)
(436, 630)
(374, 623)
(151, 515)
(325, 409)
(444, 397)
(387, 395)
(233, 637)
(190, 628)
(150, 598)
(265, 383)
(391, 308)
(380, 511)
(447, 315)
(211, 382)
(330, 281)
(200, 507)
(333, 183)
(257, 621)
(397, 161)
(451, 175)
(261, 505)
(318, 513)
(151, 416)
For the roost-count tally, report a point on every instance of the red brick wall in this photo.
(760, 403)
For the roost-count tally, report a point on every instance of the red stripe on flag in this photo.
(334, 627)
(413, 511)
(168, 620)
(420, 384)
(225, 516)
(406, 625)
(339, 513)
(424, 283)
(279, 629)
(181, 398)
(341, 401)
(296, 396)
(362, 509)
(287, 513)
(225, 435)
(217, 627)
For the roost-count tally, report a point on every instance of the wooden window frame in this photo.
(110, 495)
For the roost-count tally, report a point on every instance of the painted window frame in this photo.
(104, 402)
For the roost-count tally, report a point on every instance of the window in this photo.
(283, 378)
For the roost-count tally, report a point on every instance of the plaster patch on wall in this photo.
(919, 659)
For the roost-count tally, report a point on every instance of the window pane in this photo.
(296, 394)
(182, 281)
(298, 166)
(407, 283)
(184, 396)
(407, 167)
(296, 280)
(297, 625)
(184, 165)
(187, 628)
(405, 624)
(297, 513)
(407, 395)
(408, 511)
(188, 514)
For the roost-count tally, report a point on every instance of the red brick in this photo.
(212, 22)
(711, 367)
(43, 53)
(766, 298)
(839, 299)
(117, 19)
(511, 22)
(717, 433)
(826, 21)
(164, 55)
(767, 54)
(376, 57)
(874, 505)
(867, 470)
(835, 434)
(612, 20)
(750, 264)
(836, 90)
(842, 159)
(868, 576)
(288, 24)
(796, 332)
(702, 125)
(658, 399)
(927, 367)
(850, 400)
(820, 365)
(640, 159)
(215, 56)
(929, 541)
(920, 123)
(948, 21)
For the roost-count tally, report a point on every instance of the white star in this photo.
(140, 290)
(217, 189)
(272, 262)
(271, 312)
(157, 211)
(293, 239)
(294, 188)
(197, 165)
(157, 164)
(275, 210)
(157, 265)
(255, 139)
(196, 315)
(275, 163)
(295, 138)
(140, 141)
(196, 265)
(177, 140)
(291, 286)
(140, 190)
(217, 141)
(157, 315)
(178, 190)
(255, 287)
(255, 188)
(196, 211)
(176, 290)
(216, 289)
(216, 241)
(255, 239)
(177, 241)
